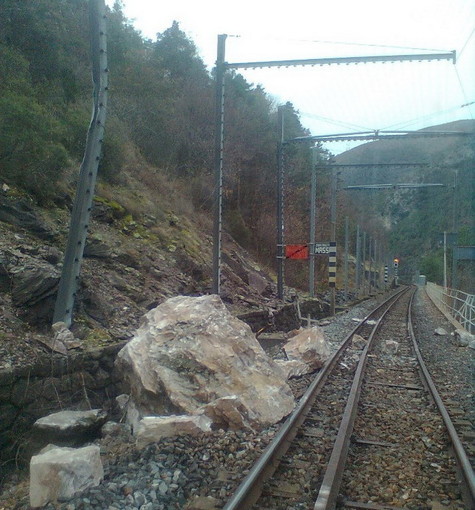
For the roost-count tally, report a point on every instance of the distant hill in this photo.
(433, 151)
(411, 220)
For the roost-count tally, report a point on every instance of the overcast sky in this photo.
(338, 99)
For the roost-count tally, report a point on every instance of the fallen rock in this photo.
(60, 473)
(310, 347)
(358, 342)
(54, 345)
(390, 347)
(228, 413)
(203, 503)
(189, 352)
(69, 426)
(63, 336)
(440, 332)
(153, 428)
(114, 429)
(463, 338)
(293, 368)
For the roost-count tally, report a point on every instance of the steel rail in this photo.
(328, 494)
(465, 468)
(250, 488)
(330, 486)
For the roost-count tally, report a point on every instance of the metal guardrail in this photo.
(459, 305)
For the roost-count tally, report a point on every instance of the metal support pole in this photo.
(333, 230)
(313, 214)
(280, 207)
(81, 212)
(371, 253)
(218, 163)
(364, 262)
(346, 256)
(445, 260)
(377, 248)
(358, 261)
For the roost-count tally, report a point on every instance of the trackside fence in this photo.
(458, 304)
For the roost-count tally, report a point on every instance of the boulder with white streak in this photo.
(58, 474)
(189, 352)
(153, 428)
(309, 347)
(294, 368)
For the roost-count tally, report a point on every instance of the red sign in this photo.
(296, 251)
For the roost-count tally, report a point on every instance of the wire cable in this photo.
(465, 45)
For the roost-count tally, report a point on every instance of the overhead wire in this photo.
(467, 103)
(341, 43)
(459, 54)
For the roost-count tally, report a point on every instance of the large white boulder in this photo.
(189, 352)
(309, 347)
(59, 473)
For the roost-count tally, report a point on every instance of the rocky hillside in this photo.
(134, 260)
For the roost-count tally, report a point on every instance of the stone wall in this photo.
(78, 381)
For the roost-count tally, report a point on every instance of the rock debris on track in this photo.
(174, 472)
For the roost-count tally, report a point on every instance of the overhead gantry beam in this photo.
(377, 135)
(222, 66)
(343, 60)
(394, 186)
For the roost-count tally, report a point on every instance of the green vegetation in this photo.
(160, 124)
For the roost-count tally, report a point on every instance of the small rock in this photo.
(390, 347)
(440, 332)
(358, 342)
(202, 503)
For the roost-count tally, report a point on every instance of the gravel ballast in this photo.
(187, 472)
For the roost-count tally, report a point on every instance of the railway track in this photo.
(368, 433)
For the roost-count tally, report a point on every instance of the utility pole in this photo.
(333, 232)
(218, 163)
(370, 265)
(313, 214)
(445, 260)
(280, 206)
(364, 262)
(346, 256)
(358, 260)
(82, 206)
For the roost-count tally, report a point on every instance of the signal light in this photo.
(396, 262)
